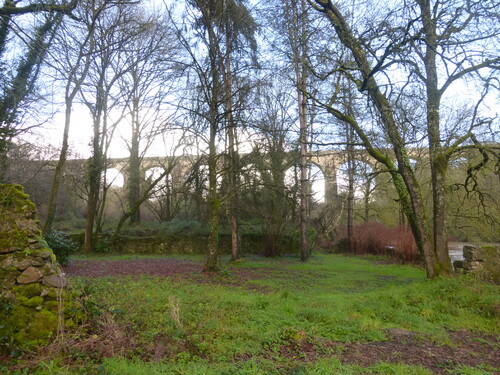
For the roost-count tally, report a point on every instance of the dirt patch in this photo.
(403, 347)
(175, 269)
(471, 349)
(160, 267)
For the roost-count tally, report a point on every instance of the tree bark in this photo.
(297, 33)
(233, 157)
(52, 205)
(350, 186)
(95, 168)
(212, 263)
(439, 162)
(134, 168)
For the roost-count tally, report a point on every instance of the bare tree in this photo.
(148, 83)
(296, 18)
(207, 32)
(72, 61)
(238, 27)
(221, 27)
(447, 29)
(106, 104)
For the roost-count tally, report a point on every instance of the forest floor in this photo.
(333, 315)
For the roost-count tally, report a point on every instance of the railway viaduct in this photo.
(329, 163)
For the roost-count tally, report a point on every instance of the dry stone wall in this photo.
(31, 281)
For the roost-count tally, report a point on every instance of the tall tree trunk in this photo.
(350, 186)
(52, 205)
(95, 168)
(351, 166)
(304, 247)
(233, 156)
(94, 181)
(439, 162)
(134, 169)
(213, 262)
(366, 218)
(297, 31)
(168, 200)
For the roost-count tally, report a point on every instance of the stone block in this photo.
(43, 253)
(6, 260)
(472, 252)
(31, 226)
(8, 277)
(30, 275)
(7, 249)
(474, 265)
(55, 281)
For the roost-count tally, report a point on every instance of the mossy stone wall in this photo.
(31, 280)
(181, 243)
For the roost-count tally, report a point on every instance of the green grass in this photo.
(330, 366)
(216, 328)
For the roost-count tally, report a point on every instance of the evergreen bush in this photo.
(62, 245)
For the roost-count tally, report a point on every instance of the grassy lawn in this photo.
(272, 316)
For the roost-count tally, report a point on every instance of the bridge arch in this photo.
(363, 174)
(113, 178)
(317, 183)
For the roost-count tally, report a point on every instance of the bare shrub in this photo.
(378, 239)
(405, 247)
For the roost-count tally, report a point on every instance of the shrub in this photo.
(378, 239)
(404, 244)
(62, 245)
(103, 245)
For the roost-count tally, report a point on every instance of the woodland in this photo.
(251, 90)
(189, 129)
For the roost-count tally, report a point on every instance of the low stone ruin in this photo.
(31, 280)
(484, 260)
